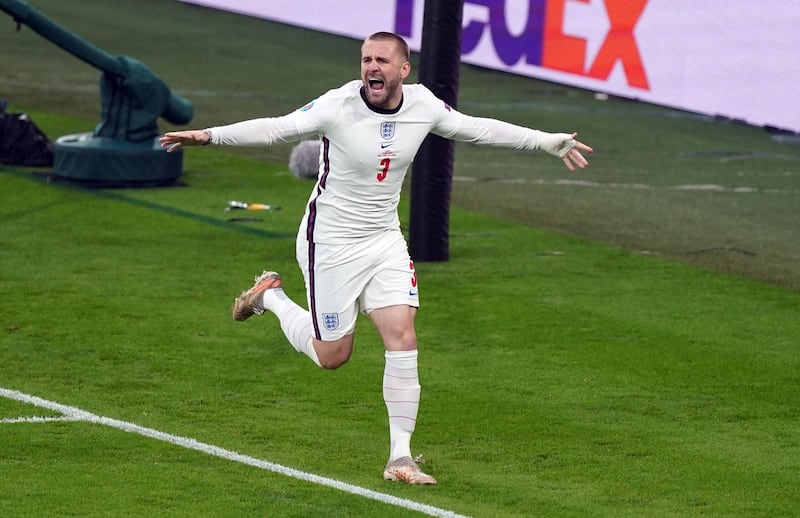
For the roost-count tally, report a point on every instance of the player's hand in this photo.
(566, 147)
(176, 139)
(574, 157)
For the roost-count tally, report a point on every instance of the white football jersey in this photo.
(366, 151)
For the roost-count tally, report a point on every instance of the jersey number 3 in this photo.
(385, 163)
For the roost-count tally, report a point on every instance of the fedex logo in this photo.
(545, 43)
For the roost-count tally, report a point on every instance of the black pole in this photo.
(432, 172)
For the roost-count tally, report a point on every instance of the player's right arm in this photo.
(176, 139)
(265, 131)
(302, 123)
(255, 132)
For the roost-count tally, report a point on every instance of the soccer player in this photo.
(350, 247)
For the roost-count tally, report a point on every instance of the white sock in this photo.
(295, 322)
(401, 393)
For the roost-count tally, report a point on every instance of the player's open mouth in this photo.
(375, 84)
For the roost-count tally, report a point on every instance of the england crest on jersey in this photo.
(330, 321)
(387, 130)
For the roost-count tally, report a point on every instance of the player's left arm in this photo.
(493, 132)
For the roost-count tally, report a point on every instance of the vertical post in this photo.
(432, 172)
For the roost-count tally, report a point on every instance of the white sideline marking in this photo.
(37, 419)
(616, 185)
(76, 414)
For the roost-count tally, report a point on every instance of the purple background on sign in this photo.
(510, 48)
(403, 21)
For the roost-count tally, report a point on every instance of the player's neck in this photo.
(379, 109)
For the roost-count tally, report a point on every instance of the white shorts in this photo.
(342, 280)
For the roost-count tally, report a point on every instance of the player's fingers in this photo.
(582, 161)
(579, 159)
(170, 143)
(172, 147)
(574, 158)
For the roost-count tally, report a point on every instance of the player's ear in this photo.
(405, 70)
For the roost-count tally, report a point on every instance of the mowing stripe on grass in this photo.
(201, 218)
(76, 414)
(166, 209)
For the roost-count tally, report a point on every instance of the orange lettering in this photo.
(620, 44)
(559, 51)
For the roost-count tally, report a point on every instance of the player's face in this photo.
(383, 69)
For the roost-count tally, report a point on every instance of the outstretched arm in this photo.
(176, 139)
(493, 132)
(265, 131)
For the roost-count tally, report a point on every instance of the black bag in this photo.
(22, 143)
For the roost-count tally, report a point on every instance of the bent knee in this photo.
(333, 355)
(329, 366)
(332, 363)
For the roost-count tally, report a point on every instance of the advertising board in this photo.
(736, 59)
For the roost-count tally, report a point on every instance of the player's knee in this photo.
(332, 363)
(408, 339)
(333, 355)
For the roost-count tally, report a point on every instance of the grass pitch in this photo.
(713, 194)
(561, 376)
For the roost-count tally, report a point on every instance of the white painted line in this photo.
(37, 419)
(615, 185)
(76, 414)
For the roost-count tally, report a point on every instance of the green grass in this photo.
(562, 376)
(233, 67)
(579, 379)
